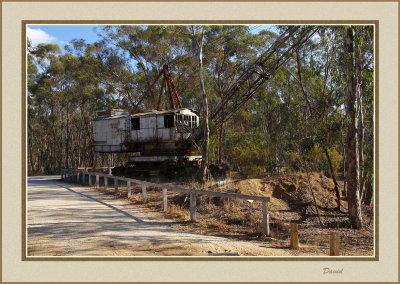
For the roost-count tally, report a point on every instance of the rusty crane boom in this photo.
(264, 68)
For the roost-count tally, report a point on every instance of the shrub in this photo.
(292, 161)
(248, 153)
(336, 159)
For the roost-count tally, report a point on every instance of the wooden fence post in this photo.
(294, 240)
(334, 242)
(192, 207)
(144, 192)
(97, 181)
(105, 183)
(128, 184)
(265, 211)
(115, 185)
(165, 202)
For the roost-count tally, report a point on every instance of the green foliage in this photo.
(292, 161)
(347, 224)
(248, 153)
(315, 157)
(318, 161)
(336, 159)
(286, 121)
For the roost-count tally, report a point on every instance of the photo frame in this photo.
(384, 268)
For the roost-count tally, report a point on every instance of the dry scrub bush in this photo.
(176, 211)
(279, 230)
(216, 224)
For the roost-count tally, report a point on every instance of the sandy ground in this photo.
(69, 220)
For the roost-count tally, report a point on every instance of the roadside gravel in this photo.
(68, 220)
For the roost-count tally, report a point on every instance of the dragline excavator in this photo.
(164, 140)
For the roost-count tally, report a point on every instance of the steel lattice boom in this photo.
(260, 71)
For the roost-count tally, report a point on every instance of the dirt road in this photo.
(68, 220)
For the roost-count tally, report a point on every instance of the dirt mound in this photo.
(291, 191)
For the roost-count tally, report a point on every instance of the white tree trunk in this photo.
(205, 145)
(352, 145)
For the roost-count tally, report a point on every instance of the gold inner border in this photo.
(205, 1)
(24, 23)
(1, 142)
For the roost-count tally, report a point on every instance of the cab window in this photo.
(135, 123)
(168, 120)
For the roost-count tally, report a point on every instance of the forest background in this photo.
(303, 118)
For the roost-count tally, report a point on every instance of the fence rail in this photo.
(79, 175)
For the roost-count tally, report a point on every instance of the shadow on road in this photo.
(105, 204)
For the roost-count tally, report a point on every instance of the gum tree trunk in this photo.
(206, 139)
(352, 143)
(333, 178)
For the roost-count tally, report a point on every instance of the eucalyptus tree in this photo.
(314, 71)
(229, 49)
(143, 50)
(198, 41)
(359, 62)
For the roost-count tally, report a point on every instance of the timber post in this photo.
(128, 184)
(334, 244)
(265, 211)
(115, 185)
(294, 240)
(165, 201)
(144, 193)
(192, 207)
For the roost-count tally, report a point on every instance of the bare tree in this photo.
(199, 43)
(352, 143)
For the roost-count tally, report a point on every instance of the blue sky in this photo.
(62, 34)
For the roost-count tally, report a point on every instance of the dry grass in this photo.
(176, 211)
(289, 194)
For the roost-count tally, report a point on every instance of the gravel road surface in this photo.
(69, 220)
